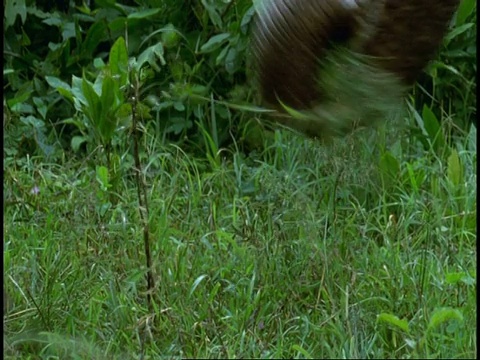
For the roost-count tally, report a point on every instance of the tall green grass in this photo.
(301, 251)
(264, 244)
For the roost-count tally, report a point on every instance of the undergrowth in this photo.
(263, 244)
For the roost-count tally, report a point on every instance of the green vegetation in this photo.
(262, 243)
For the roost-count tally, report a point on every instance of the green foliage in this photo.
(100, 105)
(295, 251)
(186, 54)
(451, 84)
(191, 60)
(361, 249)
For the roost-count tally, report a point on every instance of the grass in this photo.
(296, 251)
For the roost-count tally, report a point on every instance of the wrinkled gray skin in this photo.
(292, 39)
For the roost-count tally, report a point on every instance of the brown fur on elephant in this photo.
(341, 62)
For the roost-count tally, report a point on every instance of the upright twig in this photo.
(142, 194)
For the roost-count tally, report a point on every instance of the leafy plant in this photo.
(450, 84)
(101, 105)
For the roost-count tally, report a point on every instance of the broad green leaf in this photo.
(179, 106)
(259, 6)
(109, 92)
(170, 36)
(19, 99)
(213, 14)
(390, 167)
(454, 169)
(198, 89)
(394, 321)
(56, 83)
(14, 8)
(443, 315)
(117, 25)
(118, 61)
(107, 121)
(41, 106)
(77, 141)
(68, 31)
(66, 94)
(456, 277)
(93, 108)
(97, 33)
(465, 8)
(150, 56)
(77, 91)
(32, 121)
(62, 87)
(222, 55)
(53, 20)
(214, 42)
(433, 129)
(159, 51)
(144, 14)
(231, 60)
(457, 31)
(98, 63)
(102, 177)
(247, 18)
